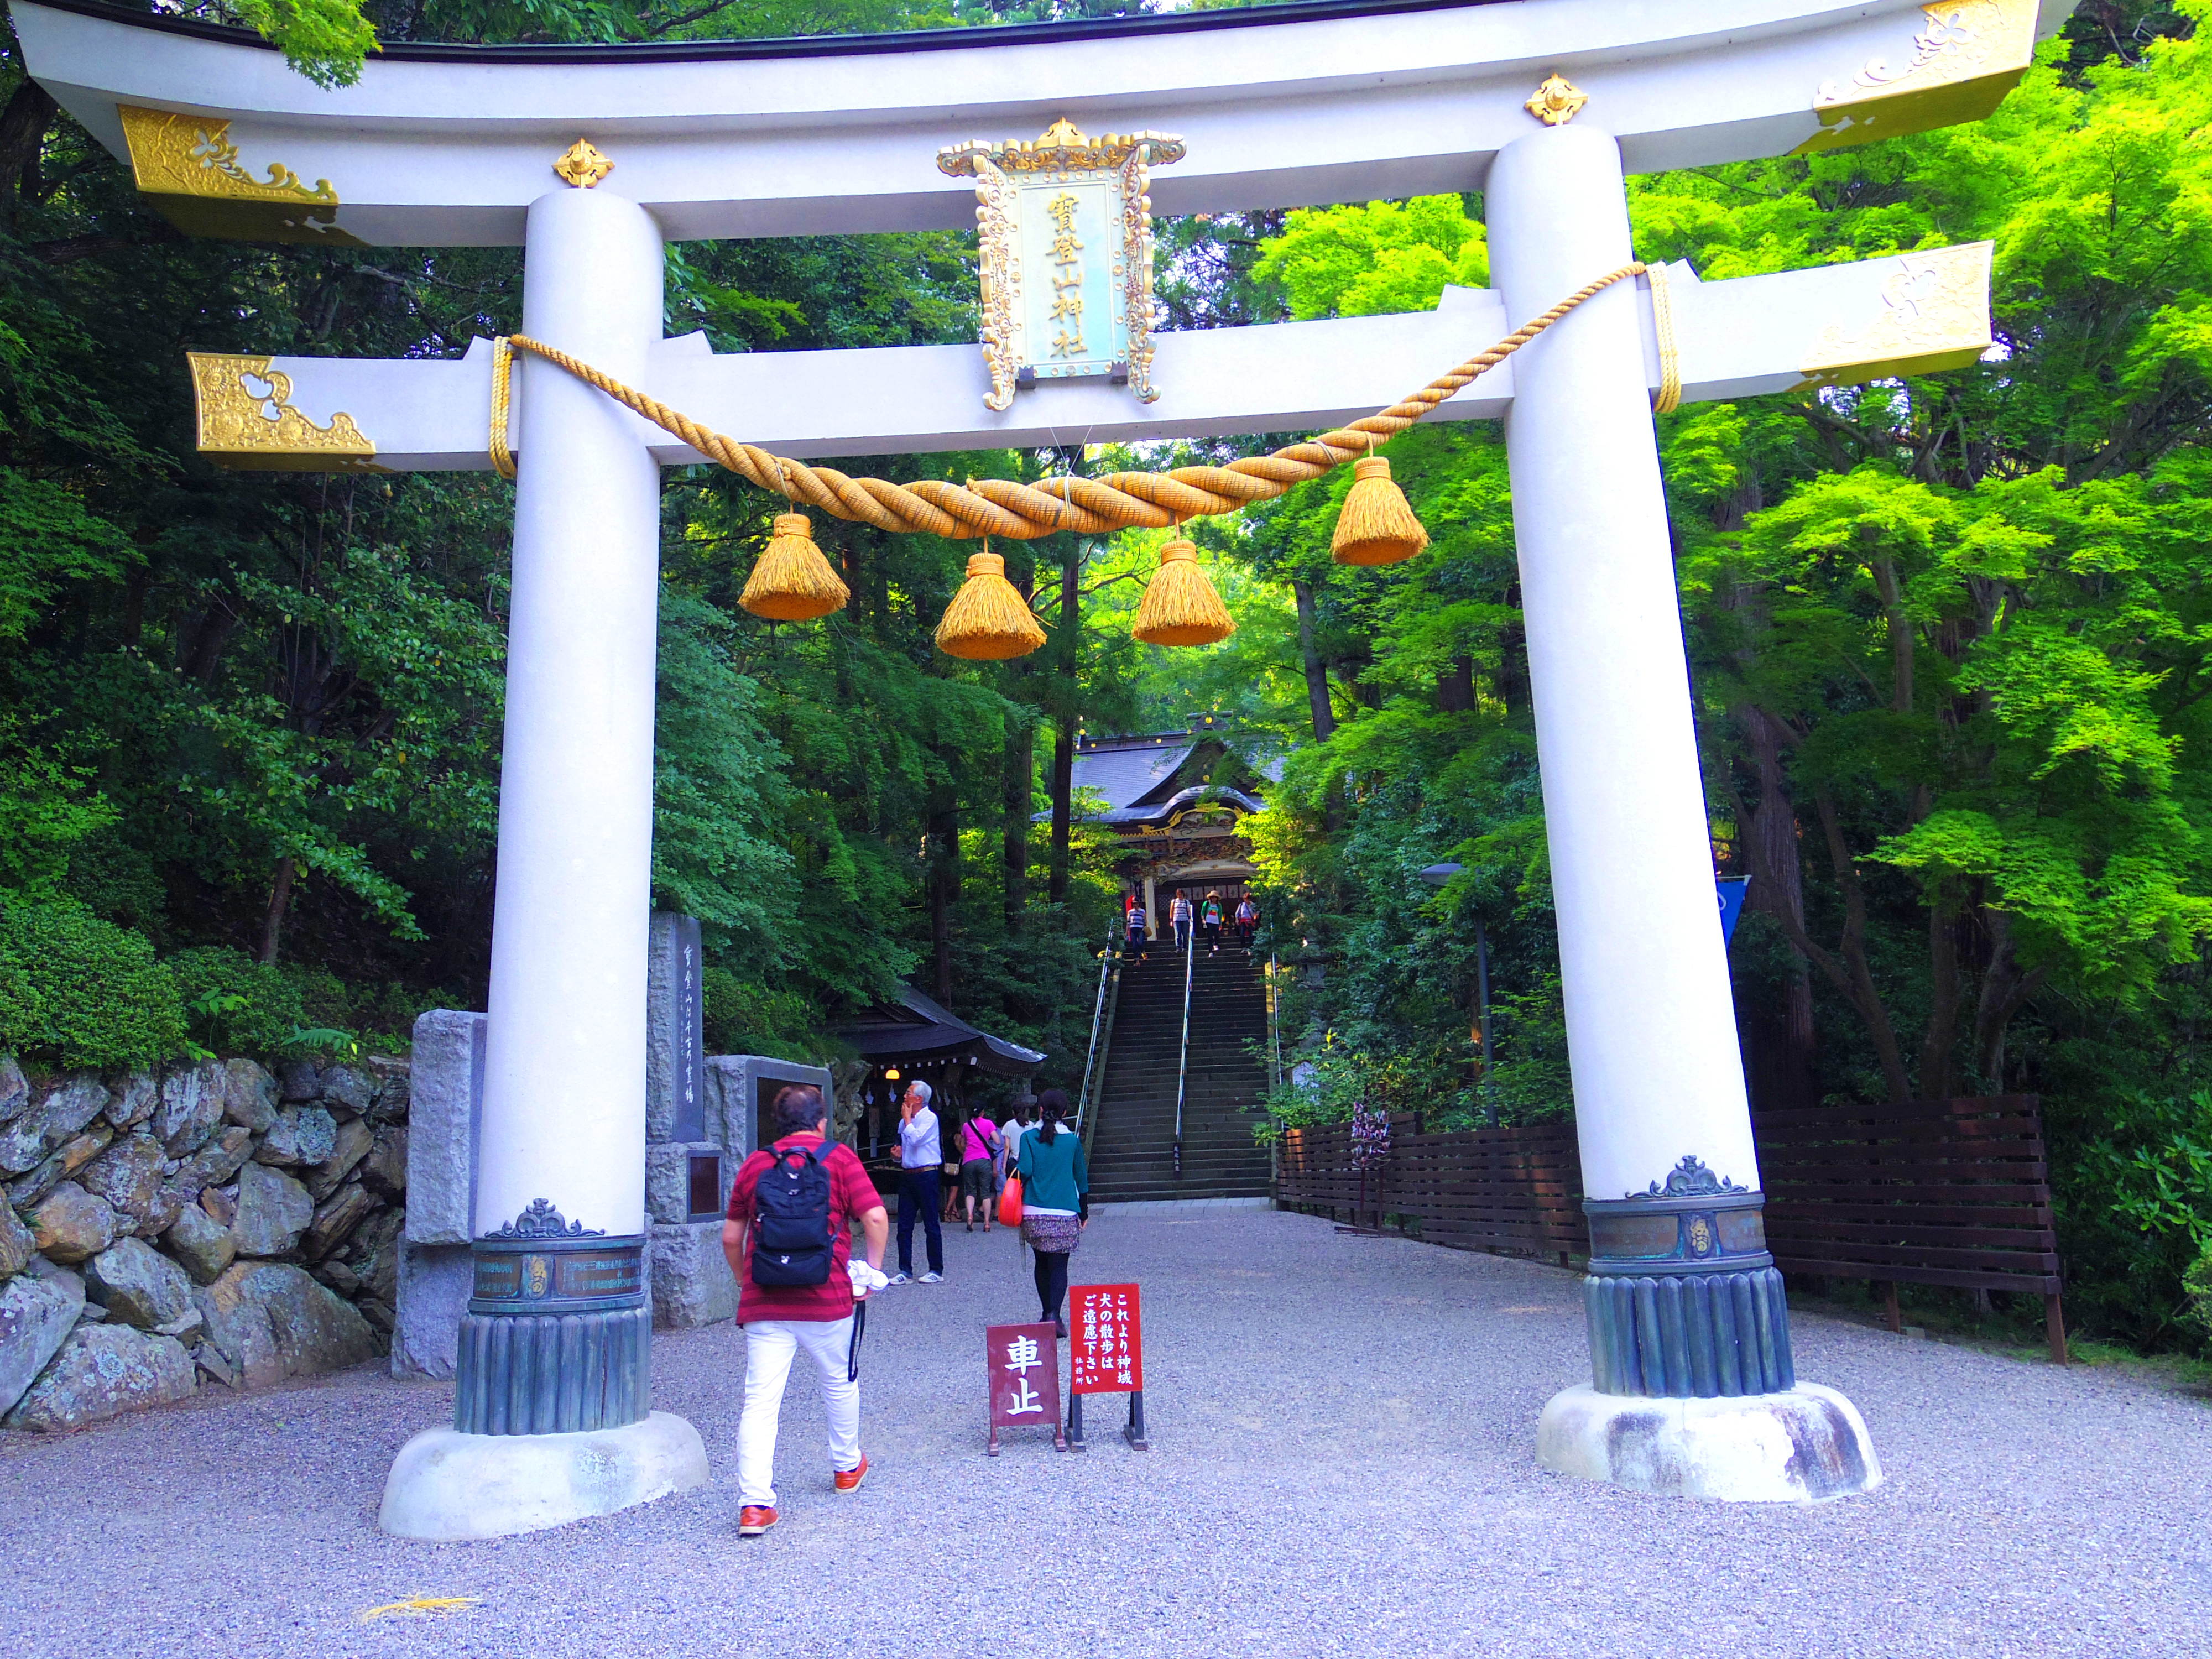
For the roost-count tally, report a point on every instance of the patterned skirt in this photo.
(1051, 1232)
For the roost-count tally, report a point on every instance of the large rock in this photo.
(347, 1089)
(273, 1211)
(308, 1330)
(336, 1219)
(138, 1285)
(75, 1152)
(191, 1106)
(303, 1134)
(355, 1137)
(443, 1125)
(128, 1176)
(15, 1090)
(134, 1102)
(201, 1243)
(18, 1248)
(394, 1082)
(38, 1310)
(215, 1163)
(102, 1372)
(300, 1079)
(50, 1119)
(383, 1172)
(237, 1327)
(72, 1226)
(249, 1096)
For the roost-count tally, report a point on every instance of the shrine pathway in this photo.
(1342, 1464)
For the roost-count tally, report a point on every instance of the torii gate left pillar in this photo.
(553, 1378)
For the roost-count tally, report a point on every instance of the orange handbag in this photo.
(1009, 1203)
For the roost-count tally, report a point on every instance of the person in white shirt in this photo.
(920, 1170)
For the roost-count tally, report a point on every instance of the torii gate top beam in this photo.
(1281, 106)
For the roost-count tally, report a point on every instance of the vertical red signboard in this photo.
(1023, 1364)
(1105, 1340)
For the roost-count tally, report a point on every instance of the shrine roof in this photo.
(917, 1028)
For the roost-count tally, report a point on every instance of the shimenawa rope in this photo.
(1669, 398)
(999, 506)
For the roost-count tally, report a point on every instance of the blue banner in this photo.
(1731, 889)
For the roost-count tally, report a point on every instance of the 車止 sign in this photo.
(1064, 225)
(1023, 1364)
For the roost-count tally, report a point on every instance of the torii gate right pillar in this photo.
(1694, 1391)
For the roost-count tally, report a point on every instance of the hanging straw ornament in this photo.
(792, 581)
(1180, 606)
(1377, 525)
(989, 620)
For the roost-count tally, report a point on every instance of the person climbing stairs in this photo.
(1132, 1150)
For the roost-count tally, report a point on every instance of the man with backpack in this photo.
(788, 1237)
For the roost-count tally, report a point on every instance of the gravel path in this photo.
(1341, 1429)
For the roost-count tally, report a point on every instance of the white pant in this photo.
(770, 1345)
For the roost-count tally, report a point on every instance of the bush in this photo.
(80, 993)
(237, 1006)
(2197, 1281)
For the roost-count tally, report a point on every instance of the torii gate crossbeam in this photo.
(1279, 105)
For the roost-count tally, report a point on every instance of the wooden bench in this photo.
(1942, 1192)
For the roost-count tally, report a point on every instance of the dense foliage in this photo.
(1950, 640)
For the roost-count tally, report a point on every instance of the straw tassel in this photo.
(989, 620)
(1180, 606)
(792, 581)
(1377, 525)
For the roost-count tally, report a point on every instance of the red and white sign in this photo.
(1023, 1362)
(1105, 1340)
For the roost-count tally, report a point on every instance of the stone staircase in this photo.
(1133, 1151)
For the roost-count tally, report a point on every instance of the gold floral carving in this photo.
(1136, 271)
(1063, 148)
(247, 421)
(1001, 280)
(1966, 55)
(582, 165)
(191, 169)
(1556, 102)
(1935, 315)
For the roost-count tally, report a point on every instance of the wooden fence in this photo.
(1513, 1190)
(1952, 1192)
(1931, 1192)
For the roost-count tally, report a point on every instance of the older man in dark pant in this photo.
(920, 1167)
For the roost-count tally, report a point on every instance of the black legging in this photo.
(1051, 1281)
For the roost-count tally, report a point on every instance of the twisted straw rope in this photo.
(998, 507)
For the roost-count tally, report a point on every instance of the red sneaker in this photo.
(850, 1480)
(755, 1519)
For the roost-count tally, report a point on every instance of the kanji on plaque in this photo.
(1023, 1364)
(1105, 1340)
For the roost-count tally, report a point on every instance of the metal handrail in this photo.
(1097, 1014)
(1275, 1066)
(1182, 1059)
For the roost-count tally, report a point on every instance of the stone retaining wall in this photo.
(211, 1221)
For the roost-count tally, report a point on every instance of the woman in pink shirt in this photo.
(979, 1156)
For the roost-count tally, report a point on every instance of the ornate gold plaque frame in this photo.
(1009, 177)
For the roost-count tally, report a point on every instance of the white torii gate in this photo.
(1278, 106)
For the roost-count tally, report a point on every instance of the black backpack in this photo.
(791, 1219)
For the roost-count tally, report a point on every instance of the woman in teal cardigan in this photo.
(1055, 1201)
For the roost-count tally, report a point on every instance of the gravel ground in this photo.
(1341, 1431)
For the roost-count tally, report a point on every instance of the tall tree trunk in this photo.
(1455, 687)
(1936, 1047)
(1777, 890)
(2005, 990)
(23, 125)
(280, 900)
(944, 884)
(1063, 741)
(1021, 788)
(1317, 703)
